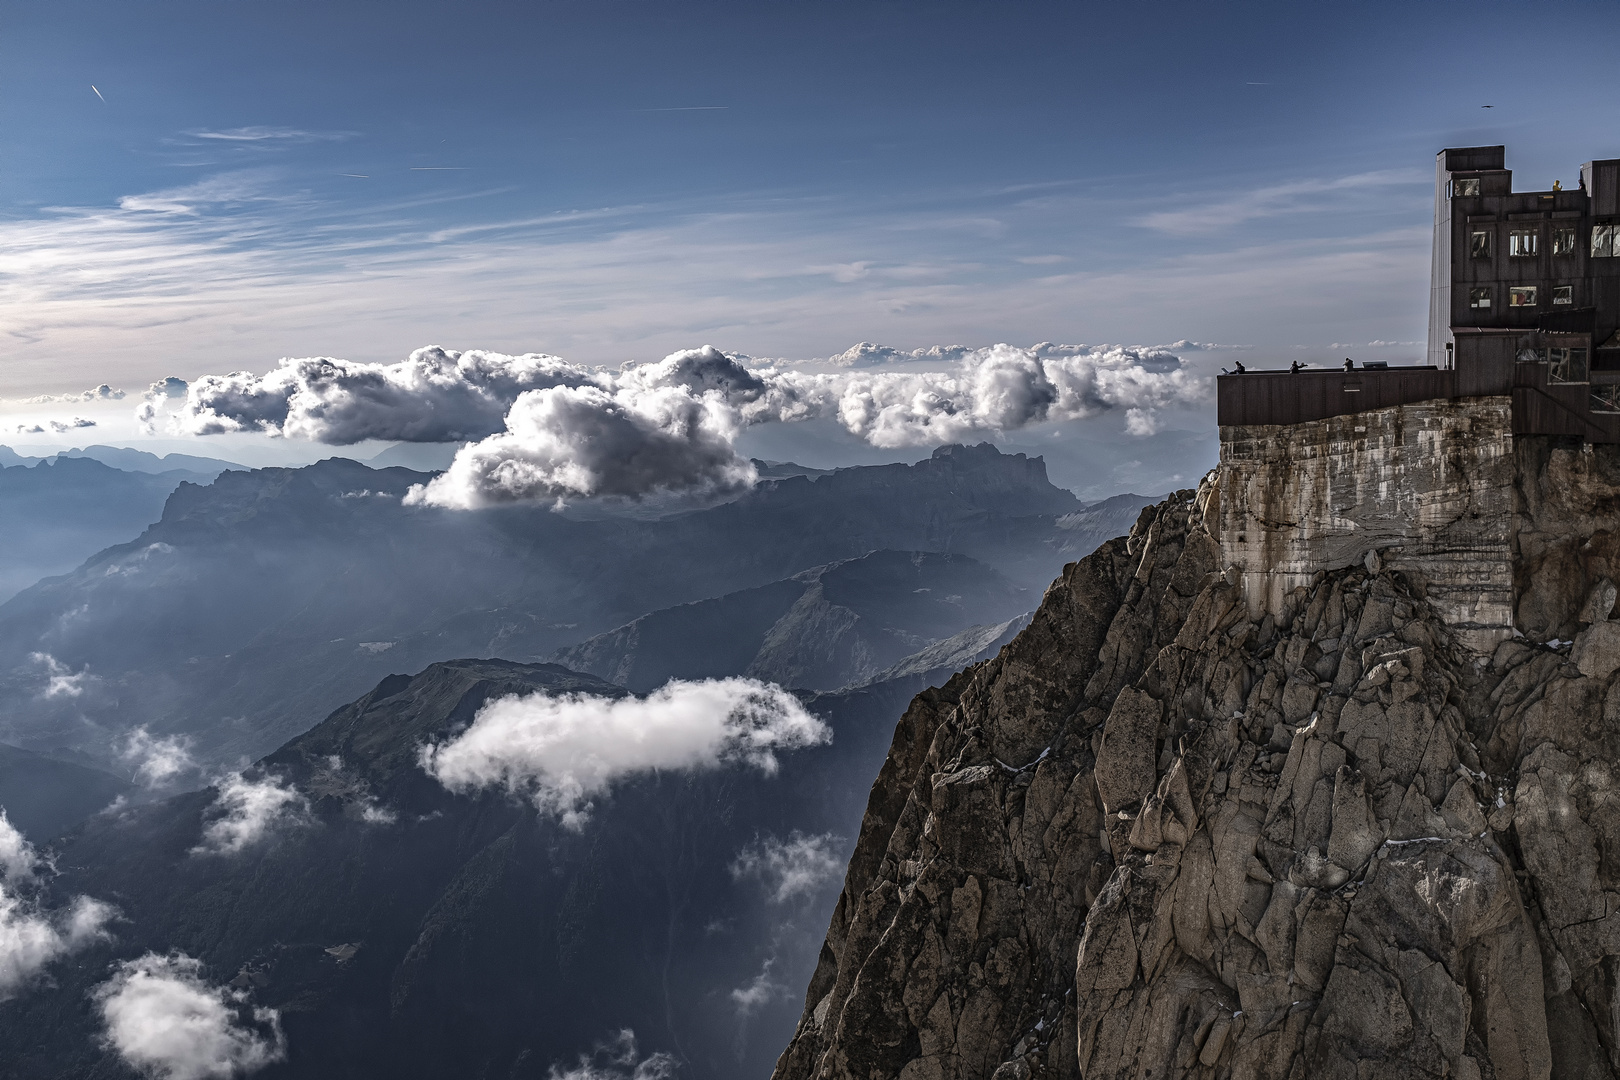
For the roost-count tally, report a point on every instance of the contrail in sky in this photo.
(98, 93)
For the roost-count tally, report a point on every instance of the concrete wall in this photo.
(1429, 487)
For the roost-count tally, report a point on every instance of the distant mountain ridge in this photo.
(821, 629)
(274, 594)
(128, 460)
(56, 513)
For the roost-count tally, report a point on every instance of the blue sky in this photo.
(611, 181)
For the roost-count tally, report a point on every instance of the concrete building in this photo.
(1524, 301)
(1483, 475)
(1525, 276)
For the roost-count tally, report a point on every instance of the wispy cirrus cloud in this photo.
(246, 265)
(1293, 197)
(263, 134)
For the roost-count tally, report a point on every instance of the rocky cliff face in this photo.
(1160, 837)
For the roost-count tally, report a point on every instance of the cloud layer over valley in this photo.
(538, 427)
(246, 811)
(31, 935)
(563, 750)
(165, 1019)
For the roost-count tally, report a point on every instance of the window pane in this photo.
(1566, 365)
(1563, 294)
(1563, 241)
(1606, 399)
(1602, 241)
(1479, 298)
(1522, 296)
(1521, 244)
(1466, 187)
(1479, 244)
(1532, 356)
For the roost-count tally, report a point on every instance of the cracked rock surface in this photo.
(1156, 838)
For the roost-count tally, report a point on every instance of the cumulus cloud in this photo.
(157, 762)
(434, 395)
(19, 862)
(540, 428)
(61, 681)
(246, 811)
(563, 750)
(162, 1017)
(61, 427)
(866, 354)
(1001, 389)
(618, 1059)
(792, 867)
(103, 392)
(31, 935)
(646, 429)
(1141, 422)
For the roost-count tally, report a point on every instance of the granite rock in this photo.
(1161, 836)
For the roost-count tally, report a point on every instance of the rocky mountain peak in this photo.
(1159, 835)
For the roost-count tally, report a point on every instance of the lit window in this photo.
(1563, 294)
(1479, 244)
(1479, 298)
(1521, 243)
(1462, 188)
(1522, 296)
(1604, 241)
(1566, 365)
(1606, 398)
(1563, 241)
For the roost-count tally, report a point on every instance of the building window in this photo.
(1532, 356)
(1566, 365)
(1479, 298)
(1522, 296)
(1479, 244)
(1606, 398)
(1563, 241)
(1522, 243)
(1563, 294)
(1463, 188)
(1604, 241)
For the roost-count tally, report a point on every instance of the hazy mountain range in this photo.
(261, 601)
(353, 910)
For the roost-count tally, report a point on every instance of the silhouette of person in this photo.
(1348, 366)
(1294, 367)
(1239, 365)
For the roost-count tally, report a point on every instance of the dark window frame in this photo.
(1524, 243)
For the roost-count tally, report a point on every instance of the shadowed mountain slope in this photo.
(42, 796)
(819, 630)
(488, 939)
